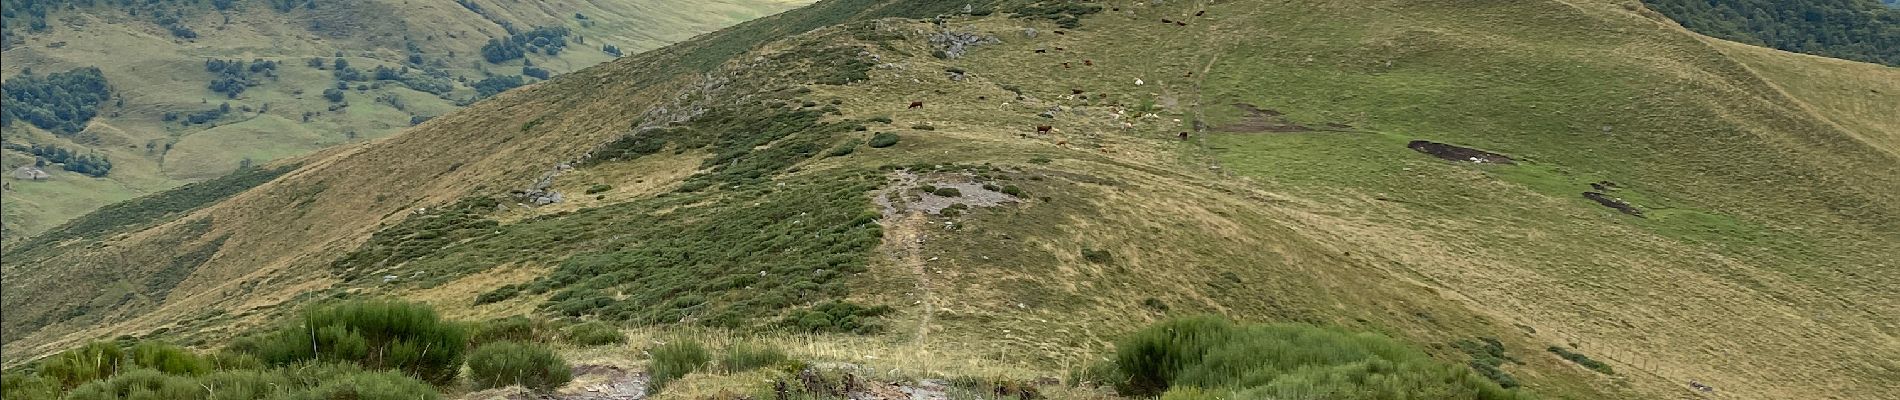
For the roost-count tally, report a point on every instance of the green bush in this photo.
(598, 188)
(502, 293)
(1098, 256)
(374, 334)
(883, 139)
(1287, 361)
(1014, 191)
(923, 127)
(379, 385)
(747, 356)
(508, 363)
(169, 359)
(94, 361)
(1583, 360)
(593, 334)
(138, 383)
(881, 118)
(674, 360)
(24, 386)
(512, 329)
(947, 192)
(845, 149)
(836, 316)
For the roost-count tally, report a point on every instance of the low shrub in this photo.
(94, 361)
(511, 329)
(747, 356)
(883, 140)
(598, 188)
(1014, 191)
(845, 149)
(1097, 256)
(880, 118)
(509, 363)
(500, 294)
(372, 333)
(593, 334)
(674, 360)
(1040, 160)
(1583, 360)
(1227, 360)
(923, 127)
(168, 359)
(947, 192)
(836, 316)
(378, 385)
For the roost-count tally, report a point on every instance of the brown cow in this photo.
(1044, 128)
(1179, 23)
(1200, 13)
(1088, 62)
(1060, 48)
(1062, 143)
(1184, 135)
(916, 104)
(1041, 51)
(1167, 21)
(1065, 65)
(1075, 91)
(1061, 33)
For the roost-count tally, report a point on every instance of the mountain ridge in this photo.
(1346, 227)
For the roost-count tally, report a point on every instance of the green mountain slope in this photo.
(1024, 183)
(164, 121)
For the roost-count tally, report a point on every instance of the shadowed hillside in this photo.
(1573, 199)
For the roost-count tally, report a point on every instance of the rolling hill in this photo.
(1022, 183)
(246, 82)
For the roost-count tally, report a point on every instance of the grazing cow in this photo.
(1075, 91)
(1190, 74)
(1044, 128)
(982, 97)
(1184, 135)
(1167, 21)
(916, 104)
(1088, 62)
(1179, 23)
(1042, 51)
(1065, 65)
(1061, 33)
(1200, 13)
(1060, 48)
(1062, 143)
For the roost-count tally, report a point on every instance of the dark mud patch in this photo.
(1613, 202)
(1457, 153)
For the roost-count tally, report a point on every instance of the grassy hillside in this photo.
(156, 75)
(868, 194)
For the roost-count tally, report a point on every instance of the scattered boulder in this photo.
(30, 173)
(1456, 153)
(955, 44)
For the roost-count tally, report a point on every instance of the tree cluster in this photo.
(546, 40)
(61, 102)
(231, 77)
(1861, 30)
(94, 165)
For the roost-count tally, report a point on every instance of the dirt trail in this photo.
(904, 227)
(909, 231)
